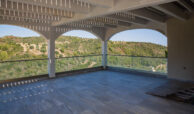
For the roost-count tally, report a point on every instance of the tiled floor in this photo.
(102, 92)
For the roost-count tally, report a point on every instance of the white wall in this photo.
(181, 49)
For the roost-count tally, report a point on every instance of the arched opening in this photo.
(139, 49)
(20, 51)
(77, 49)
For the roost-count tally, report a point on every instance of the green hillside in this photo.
(17, 48)
(12, 48)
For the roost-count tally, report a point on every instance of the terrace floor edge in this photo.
(7, 83)
(46, 76)
(137, 72)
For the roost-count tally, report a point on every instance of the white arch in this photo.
(27, 29)
(158, 32)
(91, 32)
(112, 32)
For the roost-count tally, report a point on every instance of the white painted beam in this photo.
(110, 26)
(100, 3)
(146, 14)
(124, 24)
(172, 10)
(72, 7)
(78, 17)
(119, 5)
(186, 5)
(137, 20)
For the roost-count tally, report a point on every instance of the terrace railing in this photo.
(33, 67)
(77, 62)
(28, 68)
(152, 64)
(23, 68)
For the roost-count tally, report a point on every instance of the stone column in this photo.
(104, 54)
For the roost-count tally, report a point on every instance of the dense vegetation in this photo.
(17, 48)
(136, 49)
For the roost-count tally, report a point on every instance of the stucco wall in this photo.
(181, 49)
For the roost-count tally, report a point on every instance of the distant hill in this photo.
(17, 48)
(12, 48)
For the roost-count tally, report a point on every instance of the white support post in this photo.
(104, 54)
(51, 58)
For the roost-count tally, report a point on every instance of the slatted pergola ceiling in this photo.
(101, 17)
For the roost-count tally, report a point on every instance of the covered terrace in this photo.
(103, 89)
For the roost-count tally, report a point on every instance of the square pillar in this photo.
(51, 58)
(104, 54)
(181, 49)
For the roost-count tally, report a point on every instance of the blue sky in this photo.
(137, 35)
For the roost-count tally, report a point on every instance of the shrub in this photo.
(3, 55)
(31, 47)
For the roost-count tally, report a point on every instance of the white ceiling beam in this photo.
(100, 3)
(119, 5)
(126, 5)
(79, 17)
(124, 24)
(110, 26)
(172, 10)
(136, 20)
(146, 14)
(186, 5)
(74, 7)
